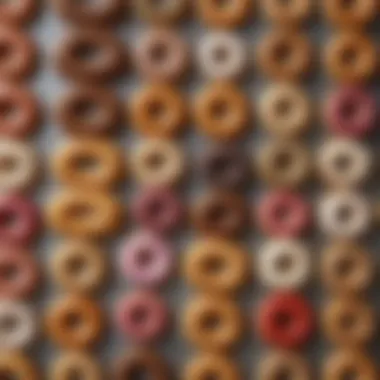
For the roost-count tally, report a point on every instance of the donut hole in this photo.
(8, 219)
(211, 374)
(85, 163)
(282, 52)
(283, 107)
(155, 160)
(8, 164)
(220, 164)
(284, 262)
(8, 272)
(86, 109)
(86, 51)
(6, 50)
(139, 315)
(283, 160)
(211, 321)
(144, 258)
(347, 321)
(8, 110)
(158, 5)
(213, 264)
(75, 265)
(219, 109)
(75, 374)
(282, 213)
(348, 109)
(159, 53)
(221, 4)
(220, 54)
(350, 373)
(348, 4)
(156, 208)
(283, 319)
(138, 372)
(349, 56)
(157, 110)
(217, 213)
(344, 213)
(283, 373)
(9, 323)
(73, 320)
(80, 211)
(343, 162)
(7, 374)
(344, 267)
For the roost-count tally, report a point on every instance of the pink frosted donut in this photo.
(142, 316)
(146, 259)
(351, 112)
(158, 209)
(284, 214)
(19, 219)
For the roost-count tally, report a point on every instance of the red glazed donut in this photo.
(286, 320)
(284, 214)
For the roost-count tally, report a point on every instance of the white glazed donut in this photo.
(343, 162)
(17, 325)
(344, 215)
(222, 55)
(284, 264)
(18, 165)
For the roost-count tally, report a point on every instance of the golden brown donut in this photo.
(221, 111)
(15, 365)
(74, 322)
(284, 163)
(161, 12)
(290, 12)
(210, 366)
(223, 13)
(346, 268)
(350, 57)
(158, 110)
(212, 323)
(84, 214)
(216, 265)
(89, 165)
(348, 322)
(285, 55)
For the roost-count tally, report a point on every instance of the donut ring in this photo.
(284, 163)
(285, 110)
(74, 322)
(18, 54)
(208, 366)
(19, 273)
(220, 214)
(158, 162)
(91, 56)
(19, 111)
(344, 215)
(161, 55)
(350, 58)
(284, 264)
(286, 320)
(88, 111)
(90, 12)
(142, 316)
(216, 265)
(350, 14)
(18, 325)
(346, 268)
(19, 166)
(163, 12)
(221, 111)
(159, 110)
(285, 55)
(346, 363)
(139, 363)
(84, 214)
(16, 364)
(348, 322)
(344, 163)
(212, 324)
(290, 13)
(18, 13)
(223, 14)
(89, 164)
(73, 364)
(222, 55)
(78, 267)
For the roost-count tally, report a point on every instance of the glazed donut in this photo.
(18, 327)
(89, 165)
(211, 366)
(284, 163)
(279, 364)
(346, 268)
(161, 12)
(344, 215)
(19, 166)
(216, 265)
(159, 110)
(83, 214)
(90, 56)
(220, 214)
(221, 111)
(285, 110)
(19, 111)
(158, 162)
(285, 55)
(348, 322)
(350, 58)
(211, 323)
(88, 111)
(74, 322)
(18, 54)
(18, 13)
(289, 13)
(75, 364)
(78, 267)
(14, 364)
(161, 55)
(344, 162)
(284, 264)
(222, 55)
(223, 14)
